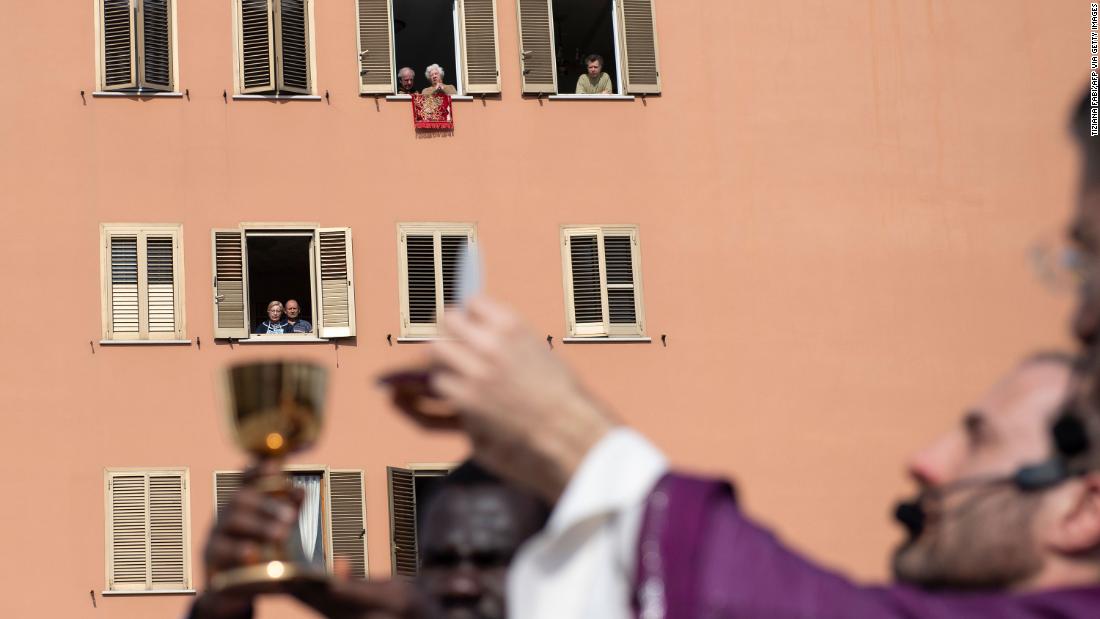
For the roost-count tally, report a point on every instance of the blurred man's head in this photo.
(405, 78)
(986, 533)
(471, 527)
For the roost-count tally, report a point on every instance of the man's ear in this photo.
(1077, 527)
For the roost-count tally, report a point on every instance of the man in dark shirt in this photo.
(294, 321)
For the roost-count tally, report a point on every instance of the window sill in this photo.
(629, 339)
(144, 342)
(277, 339)
(138, 94)
(591, 97)
(408, 98)
(276, 97)
(151, 592)
(419, 339)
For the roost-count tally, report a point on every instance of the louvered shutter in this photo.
(621, 275)
(226, 484)
(538, 62)
(451, 249)
(125, 313)
(167, 532)
(586, 298)
(119, 63)
(147, 546)
(292, 46)
(402, 521)
(348, 520)
(334, 264)
(160, 289)
(639, 47)
(155, 44)
(255, 46)
(480, 56)
(376, 70)
(419, 283)
(230, 284)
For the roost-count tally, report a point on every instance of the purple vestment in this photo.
(700, 557)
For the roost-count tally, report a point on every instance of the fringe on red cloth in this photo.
(432, 111)
(435, 125)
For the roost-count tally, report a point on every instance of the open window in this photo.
(428, 256)
(601, 268)
(557, 36)
(275, 52)
(332, 519)
(257, 265)
(458, 35)
(136, 45)
(408, 488)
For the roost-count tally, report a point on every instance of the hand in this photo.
(253, 520)
(529, 419)
(341, 598)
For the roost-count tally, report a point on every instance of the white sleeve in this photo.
(582, 564)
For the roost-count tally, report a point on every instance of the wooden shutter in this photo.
(428, 263)
(226, 484)
(538, 62)
(255, 46)
(348, 520)
(230, 284)
(334, 264)
(624, 308)
(124, 322)
(375, 41)
(402, 521)
(451, 249)
(118, 66)
(586, 299)
(154, 28)
(160, 288)
(147, 521)
(292, 46)
(638, 40)
(480, 56)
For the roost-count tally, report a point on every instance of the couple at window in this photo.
(284, 319)
(406, 78)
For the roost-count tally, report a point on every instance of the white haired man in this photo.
(405, 79)
(434, 73)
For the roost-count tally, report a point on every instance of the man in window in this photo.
(469, 530)
(275, 324)
(595, 82)
(296, 324)
(405, 79)
(434, 73)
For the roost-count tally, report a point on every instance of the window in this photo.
(557, 35)
(142, 274)
(459, 35)
(274, 46)
(603, 281)
(260, 263)
(332, 521)
(408, 488)
(148, 518)
(136, 43)
(428, 259)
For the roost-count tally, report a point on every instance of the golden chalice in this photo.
(274, 409)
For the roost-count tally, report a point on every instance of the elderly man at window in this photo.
(434, 73)
(595, 81)
(405, 78)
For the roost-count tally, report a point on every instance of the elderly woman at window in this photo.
(434, 73)
(275, 322)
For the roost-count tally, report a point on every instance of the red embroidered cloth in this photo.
(432, 111)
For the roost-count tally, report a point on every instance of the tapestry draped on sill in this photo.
(432, 111)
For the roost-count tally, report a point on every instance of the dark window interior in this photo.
(424, 34)
(583, 27)
(425, 486)
(278, 270)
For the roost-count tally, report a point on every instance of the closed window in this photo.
(274, 46)
(602, 277)
(558, 36)
(136, 45)
(409, 488)
(257, 266)
(332, 521)
(458, 35)
(148, 545)
(142, 267)
(428, 260)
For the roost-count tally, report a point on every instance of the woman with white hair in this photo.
(275, 322)
(434, 73)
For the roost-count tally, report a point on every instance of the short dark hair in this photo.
(1081, 127)
(594, 58)
(470, 474)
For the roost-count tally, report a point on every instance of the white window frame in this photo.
(237, 78)
(610, 331)
(142, 231)
(97, 12)
(410, 332)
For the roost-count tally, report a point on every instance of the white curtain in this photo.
(309, 518)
